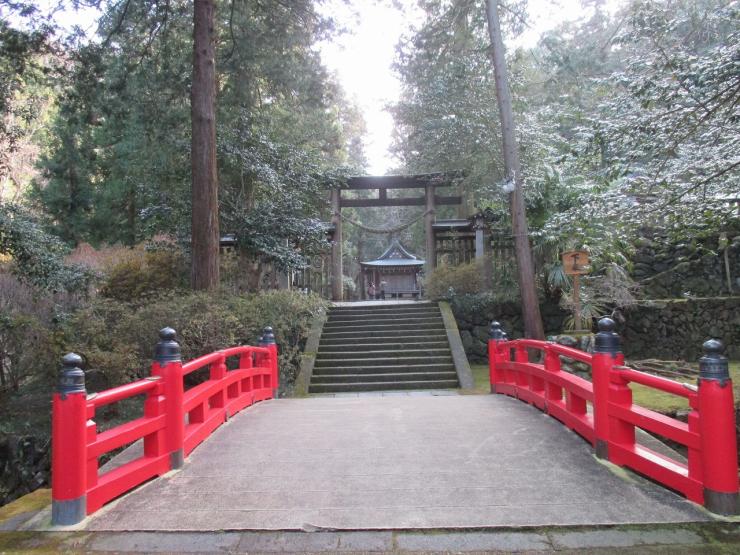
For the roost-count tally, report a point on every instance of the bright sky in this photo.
(362, 57)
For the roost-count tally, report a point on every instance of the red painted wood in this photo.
(662, 469)
(98, 400)
(657, 423)
(718, 436)
(126, 477)
(709, 434)
(77, 445)
(124, 434)
(68, 446)
(657, 382)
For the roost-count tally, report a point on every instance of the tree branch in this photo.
(700, 184)
(118, 26)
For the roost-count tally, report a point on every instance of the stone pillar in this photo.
(431, 259)
(336, 246)
(482, 250)
(479, 225)
(361, 281)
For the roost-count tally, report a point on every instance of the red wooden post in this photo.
(155, 405)
(606, 351)
(217, 372)
(696, 470)
(168, 364)
(717, 425)
(496, 335)
(521, 378)
(268, 340)
(620, 431)
(553, 392)
(218, 369)
(246, 361)
(69, 444)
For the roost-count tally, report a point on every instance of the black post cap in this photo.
(71, 377)
(496, 332)
(714, 365)
(167, 349)
(268, 337)
(607, 340)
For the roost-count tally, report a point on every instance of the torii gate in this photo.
(429, 182)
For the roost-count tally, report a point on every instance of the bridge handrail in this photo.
(657, 382)
(710, 475)
(175, 420)
(206, 360)
(126, 391)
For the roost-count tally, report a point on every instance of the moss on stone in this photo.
(34, 501)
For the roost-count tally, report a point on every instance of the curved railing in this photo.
(174, 422)
(602, 410)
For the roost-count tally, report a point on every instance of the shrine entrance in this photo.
(430, 200)
(393, 275)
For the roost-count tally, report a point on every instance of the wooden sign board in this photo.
(575, 262)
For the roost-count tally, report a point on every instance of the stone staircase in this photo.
(383, 347)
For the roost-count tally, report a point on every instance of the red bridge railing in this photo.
(710, 474)
(174, 422)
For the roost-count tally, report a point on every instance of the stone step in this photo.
(437, 324)
(326, 363)
(384, 319)
(353, 344)
(384, 369)
(390, 334)
(383, 307)
(325, 354)
(383, 347)
(390, 325)
(351, 340)
(400, 378)
(381, 386)
(406, 314)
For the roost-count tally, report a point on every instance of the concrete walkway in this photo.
(370, 463)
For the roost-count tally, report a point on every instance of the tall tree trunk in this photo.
(512, 167)
(205, 234)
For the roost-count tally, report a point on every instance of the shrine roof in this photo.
(395, 255)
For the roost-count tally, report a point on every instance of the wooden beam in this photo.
(418, 201)
(458, 235)
(402, 181)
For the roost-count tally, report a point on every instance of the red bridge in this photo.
(393, 462)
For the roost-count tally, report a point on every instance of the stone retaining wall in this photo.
(698, 268)
(474, 313)
(676, 329)
(666, 329)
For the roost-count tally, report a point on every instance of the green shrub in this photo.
(448, 281)
(37, 256)
(143, 272)
(28, 342)
(27, 350)
(117, 338)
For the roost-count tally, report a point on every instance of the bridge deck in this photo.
(392, 463)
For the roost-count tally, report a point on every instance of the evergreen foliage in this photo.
(36, 256)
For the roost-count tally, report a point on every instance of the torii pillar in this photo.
(431, 258)
(336, 246)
